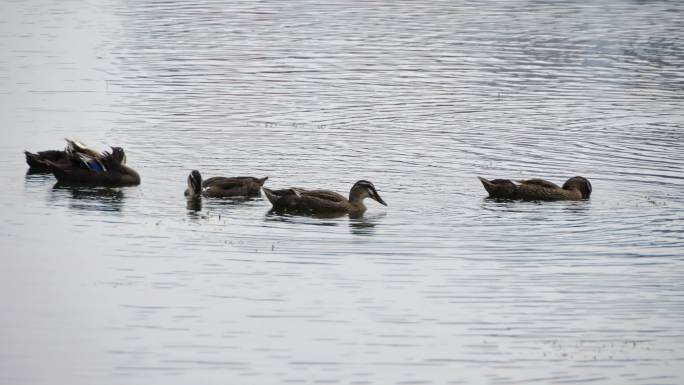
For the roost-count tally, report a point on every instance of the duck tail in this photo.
(489, 186)
(500, 188)
(33, 160)
(37, 162)
(263, 180)
(271, 195)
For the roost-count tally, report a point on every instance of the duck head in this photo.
(119, 155)
(580, 184)
(195, 183)
(364, 189)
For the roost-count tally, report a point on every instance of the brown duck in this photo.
(324, 201)
(108, 169)
(38, 161)
(574, 189)
(222, 187)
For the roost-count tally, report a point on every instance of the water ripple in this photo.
(442, 286)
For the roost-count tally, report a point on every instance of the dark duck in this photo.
(574, 189)
(38, 161)
(324, 201)
(223, 187)
(107, 169)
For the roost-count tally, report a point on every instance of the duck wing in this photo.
(324, 195)
(91, 163)
(307, 200)
(541, 190)
(218, 187)
(38, 161)
(53, 155)
(317, 200)
(76, 147)
(227, 183)
(539, 183)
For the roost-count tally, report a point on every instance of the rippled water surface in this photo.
(443, 286)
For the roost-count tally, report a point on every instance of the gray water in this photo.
(443, 286)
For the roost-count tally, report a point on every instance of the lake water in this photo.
(443, 286)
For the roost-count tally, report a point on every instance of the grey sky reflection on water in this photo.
(443, 285)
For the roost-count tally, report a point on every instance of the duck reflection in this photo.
(33, 172)
(301, 216)
(365, 225)
(504, 204)
(90, 198)
(35, 178)
(358, 224)
(198, 207)
(578, 210)
(194, 205)
(228, 202)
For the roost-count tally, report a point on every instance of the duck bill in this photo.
(376, 197)
(195, 183)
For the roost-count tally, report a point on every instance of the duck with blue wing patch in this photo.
(38, 161)
(108, 170)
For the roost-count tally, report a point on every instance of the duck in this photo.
(324, 201)
(574, 189)
(223, 187)
(106, 170)
(37, 161)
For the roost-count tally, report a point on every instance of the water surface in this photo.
(443, 286)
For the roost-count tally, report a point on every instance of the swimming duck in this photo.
(108, 169)
(574, 189)
(324, 201)
(37, 161)
(222, 187)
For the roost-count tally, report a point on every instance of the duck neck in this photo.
(194, 187)
(356, 200)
